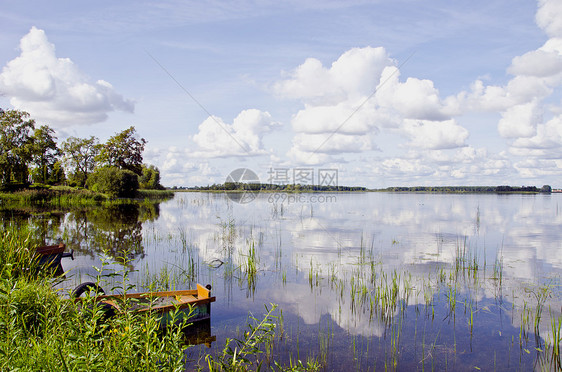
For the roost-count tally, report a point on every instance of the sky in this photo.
(381, 93)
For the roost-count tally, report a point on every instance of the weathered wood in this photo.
(51, 249)
(198, 300)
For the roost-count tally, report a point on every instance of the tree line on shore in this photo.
(471, 189)
(241, 186)
(31, 154)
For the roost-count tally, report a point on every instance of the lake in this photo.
(398, 281)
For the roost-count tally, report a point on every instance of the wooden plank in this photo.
(202, 292)
(51, 249)
(153, 294)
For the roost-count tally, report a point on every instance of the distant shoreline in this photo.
(267, 188)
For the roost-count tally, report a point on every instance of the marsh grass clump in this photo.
(52, 197)
(72, 198)
(17, 253)
(29, 307)
(42, 329)
(154, 195)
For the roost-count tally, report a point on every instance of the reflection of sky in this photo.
(415, 231)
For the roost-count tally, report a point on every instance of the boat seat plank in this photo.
(202, 292)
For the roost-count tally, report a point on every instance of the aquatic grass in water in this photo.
(42, 330)
(417, 304)
(17, 253)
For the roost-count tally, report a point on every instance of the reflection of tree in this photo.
(44, 227)
(115, 230)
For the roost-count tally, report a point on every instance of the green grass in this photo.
(41, 329)
(17, 253)
(67, 197)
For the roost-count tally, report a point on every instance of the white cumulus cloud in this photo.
(548, 136)
(539, 63)
(520, 120)
(435, 135)
(549, 17)
(355, 73)
(537, 76)
(243, 137)
(360, 94)
(53, 89)
(412, 99)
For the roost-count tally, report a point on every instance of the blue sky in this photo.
(389, 93)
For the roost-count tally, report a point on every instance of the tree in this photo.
(123, 150)
(150, 178)
(45, 153)
(114, 181)
(546, 188)
(79, 157)
(57, 176)
(15, 147)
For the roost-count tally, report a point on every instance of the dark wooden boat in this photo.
(193, 305)
(50, 256)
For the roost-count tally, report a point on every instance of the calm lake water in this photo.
(363, 281)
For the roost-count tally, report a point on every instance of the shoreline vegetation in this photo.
(296, 188)
(69, 197)
(72, 197)
(41, 328)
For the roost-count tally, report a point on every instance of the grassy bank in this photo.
(41, 329)
(70, 197)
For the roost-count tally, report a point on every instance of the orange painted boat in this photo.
(193, 304)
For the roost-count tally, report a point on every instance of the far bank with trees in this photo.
(30, 155)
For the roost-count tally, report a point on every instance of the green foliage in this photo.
(40, 331)
(54, 196)
(29, 306)
(79, 158)
(241, 186)
(52, 175)
(123, 150)
(150, 178)
(114, 182)
(45, 155)
(23, 147)
(57, 175)
(244, 353)
(15, 147)
(17, 253)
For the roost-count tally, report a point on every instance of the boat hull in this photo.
(178, 307)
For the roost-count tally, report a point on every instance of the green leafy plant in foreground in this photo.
(254, 348)
(240, 354)
(17, 253)
(41, 329)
